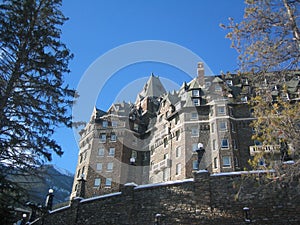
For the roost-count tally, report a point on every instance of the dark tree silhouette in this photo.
(34, 99)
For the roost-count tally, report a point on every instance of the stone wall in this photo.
(204, 199)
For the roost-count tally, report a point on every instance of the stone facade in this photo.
(205, 199)
(157, 138)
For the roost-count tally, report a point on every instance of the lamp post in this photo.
(157, 219)
(23, 221)
(49, 200)
(246, 213)
(200, 151)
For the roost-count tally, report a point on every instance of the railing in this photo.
(264, 148)
(166, 163)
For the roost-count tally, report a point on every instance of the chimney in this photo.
(200, 74)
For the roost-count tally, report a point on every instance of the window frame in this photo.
(222, 143)
(97, 182)
(228, 164)
(112, 152)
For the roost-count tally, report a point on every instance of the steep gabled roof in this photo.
(153, 88)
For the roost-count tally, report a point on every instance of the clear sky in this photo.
(95, 27)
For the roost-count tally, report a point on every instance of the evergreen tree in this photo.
(34, 99)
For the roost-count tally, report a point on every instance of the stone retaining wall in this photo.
(206, 199)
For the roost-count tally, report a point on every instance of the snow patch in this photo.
(63, 171)
(164, 184)
(100, 197)
(242, 172)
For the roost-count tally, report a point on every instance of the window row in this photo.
(226, 162)
(222, 126)
(224, 144)
(109, 166)
(98, 181)
(80, 172)
(111, 152)
(103, 137)
(106, 123)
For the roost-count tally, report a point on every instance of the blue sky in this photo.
(97, 26)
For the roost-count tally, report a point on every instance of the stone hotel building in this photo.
(165, 136)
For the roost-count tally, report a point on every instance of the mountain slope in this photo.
(47, 176)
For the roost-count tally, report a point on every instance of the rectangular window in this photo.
(194, 116)
(113, 137)
(97, 182)
(195, 93)
(244, 99)
(224, 143)
(212, 127)
(234, 144)
(102, 138)
(214, 144)
(166, 156)
(178, 169)
(165, 142)
(232, 127)
(101, 152)
(215, 162)
(218, 88)
(194, 147)
(178, 152)
(111, 152)
(104, 123)
(196, 101)
(176, 119)
(99, 166)
(195, 132)
(135, 127)
(114, 123)
(108, 182)
(110, 166)
(221, 110)
(236, 162)
(256, 142)
(177, 135)
(195, 165)
(223, 126)
(229, 82)
(226, 161)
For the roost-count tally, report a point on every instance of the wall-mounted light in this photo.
(246, 214)
(132, 161)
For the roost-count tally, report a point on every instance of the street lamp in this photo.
(49, 199)
(200, 151)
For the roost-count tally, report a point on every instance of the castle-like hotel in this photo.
(165, 136)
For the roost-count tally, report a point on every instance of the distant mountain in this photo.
(47, 176)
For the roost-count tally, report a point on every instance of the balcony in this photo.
(264, 148)
(166, 163)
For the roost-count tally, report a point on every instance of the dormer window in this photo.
(244, 99)
(229, 82)
(218, 88)
(196, 102)
(195, 93)
(245, 81)
(207, 84)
